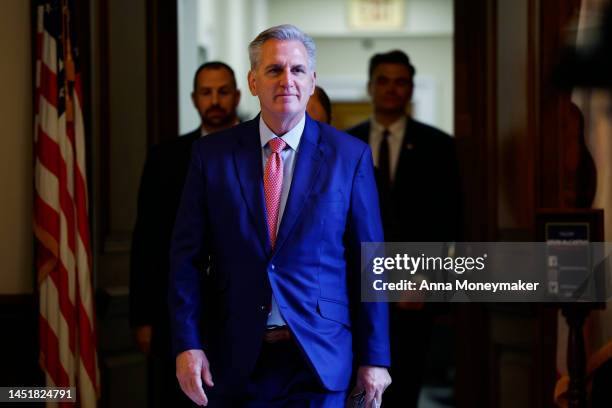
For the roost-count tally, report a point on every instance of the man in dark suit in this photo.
(216, 97)
(277, 209)
(418, 184)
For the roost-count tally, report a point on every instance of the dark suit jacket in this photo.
(161, 185)
(313, 271)
(425, 201)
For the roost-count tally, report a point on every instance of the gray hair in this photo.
(284, 32)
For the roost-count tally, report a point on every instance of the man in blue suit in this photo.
(275, 211)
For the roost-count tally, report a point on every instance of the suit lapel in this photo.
(307, 166)
(409, 135)
(408, 140)
(405, 154)
(247, 159)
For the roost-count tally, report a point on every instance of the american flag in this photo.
(68, 353)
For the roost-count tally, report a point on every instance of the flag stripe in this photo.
(48, 85)
(66, 143)
(49, 158)
(60, 278)
(86, 337)
(46, 184)
(50, 354)
(50, 222)
(49, 52)
(50, 153)
(84, 284)
(48, 117)
(55, 328)
(87, 391)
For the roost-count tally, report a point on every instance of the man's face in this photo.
(282, 81)
(216, 98)
(391, 88)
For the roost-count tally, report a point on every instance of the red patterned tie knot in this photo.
(277, 144)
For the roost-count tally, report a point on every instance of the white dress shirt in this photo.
(395, 139)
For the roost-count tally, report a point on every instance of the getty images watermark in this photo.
(554, 271)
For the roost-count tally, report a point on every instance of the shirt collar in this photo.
(292, 137)
(396, 128)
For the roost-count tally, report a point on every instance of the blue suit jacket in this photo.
(314, 271)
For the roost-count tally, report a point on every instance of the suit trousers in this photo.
(282, 379)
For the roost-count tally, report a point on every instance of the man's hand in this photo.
(191, 368)
(143, 335)
(374, 380)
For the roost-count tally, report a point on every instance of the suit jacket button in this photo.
(263, 308)
(272, 266)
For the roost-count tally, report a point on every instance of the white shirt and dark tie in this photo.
(395, 139)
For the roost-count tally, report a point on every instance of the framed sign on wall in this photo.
(376, 14)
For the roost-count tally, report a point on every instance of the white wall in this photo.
(343, 53)
(16, 134)
(226, 27)
(345, 61)
(187, 61)
(327, 17)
